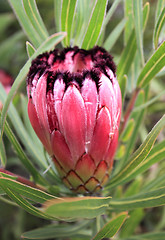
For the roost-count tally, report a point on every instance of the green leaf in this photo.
(22, 156)
(7, 48)
(123, 86)
(128, 131)
(23, 135)
(152, 67)
(142, 200)
(3, 158)
(114, 35)
(128, 14)
(159, 8)
(148, 103)
(110, 12)
(58, 231)
(31, 193)
(80, 207)
(5, 19)
(135, 217)
(30, 49)
(95, 24)
(138, 23)
(47, 45)
(129, 51)
(33, 15)
(151, 236)
(112, 227)
(127, 172)
(159, 25)
(57, 14)
(25, 204)
(23, 19)
(129, 147)
(67, 14)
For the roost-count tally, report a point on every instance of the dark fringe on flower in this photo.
(100, 57)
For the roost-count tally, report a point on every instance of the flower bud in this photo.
(74, 107)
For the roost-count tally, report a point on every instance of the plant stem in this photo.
(129, 109)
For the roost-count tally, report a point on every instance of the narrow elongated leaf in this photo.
(95, 24)
(143, 200)
(114, 35)
(53, 231)
(57, 14)
(47, 45)
(159, 8)
(24, 21)
(5, 20)
(67, 14)
(148, 103)
(128, 131)
(139, 156)
(138, 23)
(128, 14)
(32, 12)
(129, 51)
(130, 144)
(112, 227)
(80, 207)
(25, 204)
(30, 49)
(135, 217)
(151, 236)
(152, 67)
(110, 12)
(31, 193)
(159, 25)
(3, 158)
(157, 182)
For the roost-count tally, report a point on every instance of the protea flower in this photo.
(74, 107)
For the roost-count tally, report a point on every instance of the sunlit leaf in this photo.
(112, 227)
(159, 25)
(80, 207)
(138, 23)
(32, 12)
(67, 14)
(30, 49)
(152, 67)
(95, 24)
(142, 200)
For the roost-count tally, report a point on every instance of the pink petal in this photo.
(58, 91)
(61, 151)
(38, 128)
(73, 118)
(107, 96)
(90, 97)
(41, 107)
(101, 137)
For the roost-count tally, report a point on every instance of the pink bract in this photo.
(75, 107)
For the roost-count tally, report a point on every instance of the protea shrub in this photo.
(74, 107)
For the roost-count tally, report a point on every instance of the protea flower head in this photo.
(74, 107)
(6, 80)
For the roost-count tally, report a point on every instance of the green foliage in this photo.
(138, 178)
